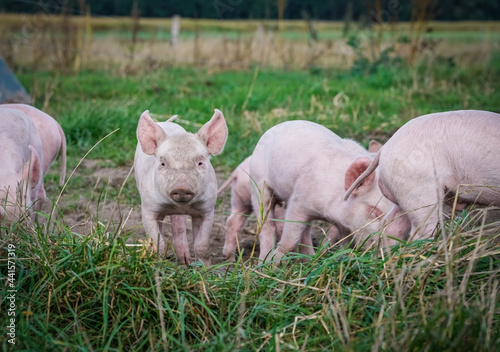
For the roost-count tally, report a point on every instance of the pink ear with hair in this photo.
(374, 146)
(355, 170)
(214, 133)
(149, 134)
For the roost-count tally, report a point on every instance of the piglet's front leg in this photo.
(202, 226)
(181, 245)
(152, 225)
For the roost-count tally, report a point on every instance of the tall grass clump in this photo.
(98, 293)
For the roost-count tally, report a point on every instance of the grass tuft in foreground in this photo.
(97, 293)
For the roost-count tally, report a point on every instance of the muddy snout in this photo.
(183, 191)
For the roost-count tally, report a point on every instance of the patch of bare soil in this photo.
(95, 205)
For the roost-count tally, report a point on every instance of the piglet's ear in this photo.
(357, 167)
(214, 133)
(32, 170)
(374, 146)
(149, 134)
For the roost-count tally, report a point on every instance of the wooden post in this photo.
(175, 30)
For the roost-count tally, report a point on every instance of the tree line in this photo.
(357, 10)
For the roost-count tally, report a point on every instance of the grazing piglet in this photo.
(434, 158)
(21, 160)
(51, 134)
(309, 167)
(174, 177)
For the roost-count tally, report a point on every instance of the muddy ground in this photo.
(96, 203)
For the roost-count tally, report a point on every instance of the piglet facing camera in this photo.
(175, 178)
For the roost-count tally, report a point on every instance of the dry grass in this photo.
(59, 42)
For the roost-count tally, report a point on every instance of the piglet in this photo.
(448, 158)
(51, 135)
(309, 167)
(21, 160)
(174, 177)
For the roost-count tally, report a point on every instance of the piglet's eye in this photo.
(200, 163)
(162, 163)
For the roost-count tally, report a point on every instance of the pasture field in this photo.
(71, 43)
(83, 280)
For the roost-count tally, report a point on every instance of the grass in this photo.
(96, 293)
(109, 24)
(364, 103)
(99, 293)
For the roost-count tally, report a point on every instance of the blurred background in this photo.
(70, 35)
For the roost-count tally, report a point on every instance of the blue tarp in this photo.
(11, 90)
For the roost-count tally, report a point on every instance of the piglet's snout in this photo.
(183, 190)
(181, 195)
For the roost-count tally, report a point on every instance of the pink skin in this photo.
(174, 177)
(241, 206)
(21, 175)
(241, 209)
(51, 134)
(431, 159)
(310, 167)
